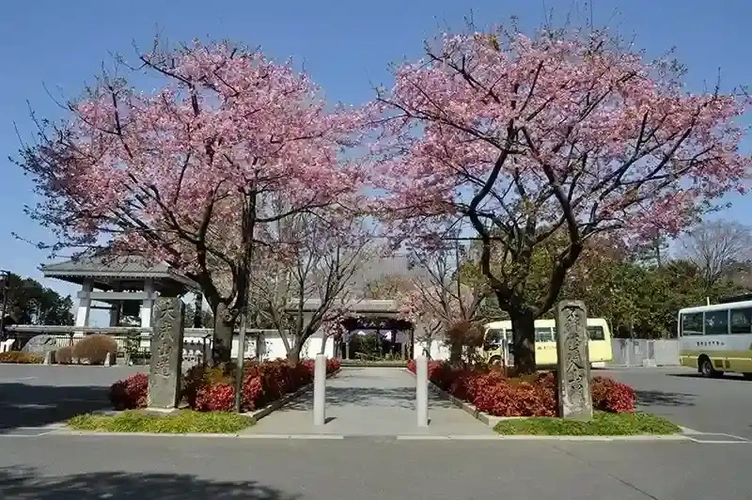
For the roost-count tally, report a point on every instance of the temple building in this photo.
(127, 286)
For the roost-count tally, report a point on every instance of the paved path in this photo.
(371, 402)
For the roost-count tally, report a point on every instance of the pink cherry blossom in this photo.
(194, 172)
(517, 138)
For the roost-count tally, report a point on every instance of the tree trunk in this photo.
(455, 353)
(224, 329)
(293, 355)
(523, 326)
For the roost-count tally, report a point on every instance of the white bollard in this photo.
(319, 391)
(48, 357)
(421, 390)
(108, 359)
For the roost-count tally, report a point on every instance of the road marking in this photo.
(29, 431)
(716, 438)
(687, 430)
(719, 442)
(10, 379)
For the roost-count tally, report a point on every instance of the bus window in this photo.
(493, 338)
(716, 322)
(691, 324)
(596, 333)
(741, 320)
(544, 335)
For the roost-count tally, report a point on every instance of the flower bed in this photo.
(213, 389)
(494, 393)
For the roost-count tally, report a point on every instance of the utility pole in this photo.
(5, 276)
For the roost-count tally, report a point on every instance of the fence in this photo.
(643, 352)
(197, 342)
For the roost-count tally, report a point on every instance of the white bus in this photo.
(717, 338)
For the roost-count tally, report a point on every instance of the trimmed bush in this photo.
(130, 393)
(95, 348)
(64, 355)
(535, 395)
(603, 424)
(22, 358)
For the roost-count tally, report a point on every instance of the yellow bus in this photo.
(498, 339)
(716, 338)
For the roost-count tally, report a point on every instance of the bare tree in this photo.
(440, 300)
(715, 246)
(305, 288)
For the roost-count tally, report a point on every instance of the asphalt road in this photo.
(708, 405)
(170, 467)
(35, 396)
(57, 467)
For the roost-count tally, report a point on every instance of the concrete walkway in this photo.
(371, 402)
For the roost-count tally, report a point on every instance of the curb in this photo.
(257, 415)
(502, 437)
(340, 437)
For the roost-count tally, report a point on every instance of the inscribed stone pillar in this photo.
(575, 400)
(165, 369)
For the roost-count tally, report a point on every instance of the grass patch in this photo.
(603, 424)
(182, 422)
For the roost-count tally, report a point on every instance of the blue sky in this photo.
(345, 45)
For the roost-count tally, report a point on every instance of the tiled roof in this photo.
(378, 268)
(102, 265)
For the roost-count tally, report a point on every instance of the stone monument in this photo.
(165, 369)
(40, 344)
(575, 399)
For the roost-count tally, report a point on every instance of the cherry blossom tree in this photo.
(190, 173)
(521, 138)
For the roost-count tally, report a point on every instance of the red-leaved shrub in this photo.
(213, 388)
(220, 397)
(496, 393)
(612, 396)
(252, 391)
(332, 365)
(130, 393)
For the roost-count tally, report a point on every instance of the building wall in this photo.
(637, 352)
(435, 350)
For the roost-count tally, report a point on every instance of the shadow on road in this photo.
(661, 398)
(27, 483)
(24, 405)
